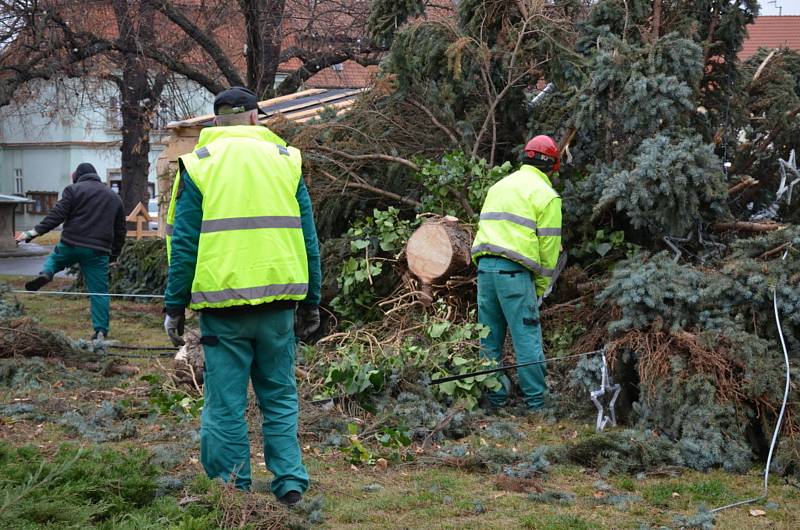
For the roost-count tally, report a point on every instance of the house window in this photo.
(338, 67)
(18, 183)
(113, 115)
(43, 201)
(114, 179)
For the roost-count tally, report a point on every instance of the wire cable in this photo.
(138, 355)
(780, 416)
(510, 367)
(140, 348)
(70, 293)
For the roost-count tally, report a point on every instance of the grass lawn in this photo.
(134, 445)
(132, 322)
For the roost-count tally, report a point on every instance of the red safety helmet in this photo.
(544, 146)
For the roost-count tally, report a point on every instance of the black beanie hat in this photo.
(84, 168)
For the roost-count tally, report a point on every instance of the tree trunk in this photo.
(438, 250)
(135, 138)
(138, 99)
(656, 19)
(264, 26)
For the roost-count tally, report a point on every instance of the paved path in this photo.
(27, 266)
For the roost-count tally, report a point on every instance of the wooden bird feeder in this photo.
(141, 217)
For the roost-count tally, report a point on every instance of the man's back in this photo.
(92, 215)
(246, 244)
(95, 205)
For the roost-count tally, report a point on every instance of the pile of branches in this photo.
(24, 337)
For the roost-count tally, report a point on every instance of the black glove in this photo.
(174, 323)
(112, 259)
(306, 321)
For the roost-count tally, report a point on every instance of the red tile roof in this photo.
(348, 74)
(771, 32)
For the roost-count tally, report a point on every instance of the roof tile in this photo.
(771, 32)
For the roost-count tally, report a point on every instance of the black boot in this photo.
(291, 498)
(38, 282)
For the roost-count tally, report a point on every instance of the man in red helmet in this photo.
(516, 250)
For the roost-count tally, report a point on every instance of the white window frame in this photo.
(19, 183)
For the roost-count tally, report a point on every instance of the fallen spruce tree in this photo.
(678, 214)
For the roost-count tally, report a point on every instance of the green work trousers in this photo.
(507, 301)
(241, 347)
(94, 268)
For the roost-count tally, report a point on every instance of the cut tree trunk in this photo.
(437, 250)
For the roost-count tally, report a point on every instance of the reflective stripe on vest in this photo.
(250, 293)
(545, 232)
(513, 256)
(505, 216)
(251, 223)
(251, 248)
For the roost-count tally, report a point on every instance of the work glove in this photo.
(174, 323)
(306, 321)
(26, 236)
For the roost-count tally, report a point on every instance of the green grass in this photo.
(111, 486)
(136, 323)
(556, 522)
(87, 488)
(662, 494)
(626, 483)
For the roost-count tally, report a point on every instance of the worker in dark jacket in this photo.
(93, 235)
(243, 251)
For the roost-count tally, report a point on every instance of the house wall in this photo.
(55, 125)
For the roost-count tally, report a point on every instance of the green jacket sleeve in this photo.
(312, 245)
(185, 240)
(548, 232)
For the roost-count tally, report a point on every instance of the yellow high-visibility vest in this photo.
(521, 221)
(251, 249)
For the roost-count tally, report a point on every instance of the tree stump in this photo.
(436, 251)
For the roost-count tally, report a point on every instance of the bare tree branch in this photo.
(374, 156)
(372, 189)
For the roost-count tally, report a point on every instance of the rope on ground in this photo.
(139, 348)
(70, 293)
(140, 355)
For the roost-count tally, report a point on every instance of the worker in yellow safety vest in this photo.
(516, 250)
(243, 251)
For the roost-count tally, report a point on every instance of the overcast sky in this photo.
(790, 7)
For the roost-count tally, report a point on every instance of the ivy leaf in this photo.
(359, 244)
(603, 248)
(437, 329)
(448, 388)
